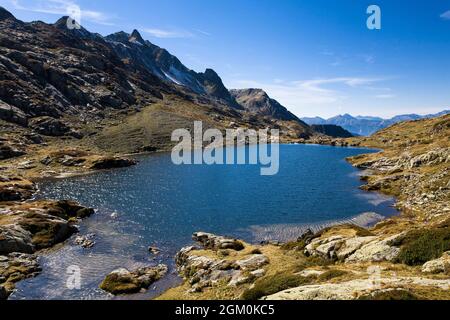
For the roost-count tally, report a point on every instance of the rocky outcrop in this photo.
(86, 241)
(203, 271)
(122, 281)
(32, 226)
(12, 114)
(441, 265)
(15, 189)
(49, 126)
(50, 71)
(112, 163)
(211, 241)
(258, 102)
(15, 267)
(353, 249)
(354, 289)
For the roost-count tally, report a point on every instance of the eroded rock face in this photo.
(122, 281)
(211, 241)
(441, 265)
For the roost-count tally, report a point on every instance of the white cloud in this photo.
(61, 7)
(162, 33)
(446, 15)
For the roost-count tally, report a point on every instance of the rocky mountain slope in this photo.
(70, 88)
(406, 257)
(257, 101)
(366, 126)
(158, 61)
(331, 130)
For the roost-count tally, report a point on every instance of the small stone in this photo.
(154, 250)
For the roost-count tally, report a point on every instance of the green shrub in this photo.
(273, 284)
(420, 246)
(300, 245)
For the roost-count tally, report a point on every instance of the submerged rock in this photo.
(86, 241)
(154, 250)
(122, 281)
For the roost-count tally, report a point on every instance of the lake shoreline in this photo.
(47, 179)
(150, 154)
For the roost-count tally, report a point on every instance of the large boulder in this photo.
(376, 251)
(441, 265)
(31, 226)
(122, 281)
(253, 262)
(13, 238)
(12, 114)
(211, 241)
(353, 249)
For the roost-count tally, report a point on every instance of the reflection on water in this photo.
(159, 204)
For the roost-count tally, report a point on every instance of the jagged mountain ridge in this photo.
(366, 126)
(168, 67)
(57, 81)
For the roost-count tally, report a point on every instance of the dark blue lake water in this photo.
(161, 204)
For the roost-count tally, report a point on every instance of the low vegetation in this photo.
(273, 284)
(420, 246)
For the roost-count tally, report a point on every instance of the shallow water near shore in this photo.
(157, 203)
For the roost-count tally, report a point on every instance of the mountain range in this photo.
(366, 125)
(62, 82)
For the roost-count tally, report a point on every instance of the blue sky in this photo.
(315, 57)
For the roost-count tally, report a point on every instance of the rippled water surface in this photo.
(158, 203)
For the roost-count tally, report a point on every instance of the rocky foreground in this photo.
(404, 257)
(27, 228)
